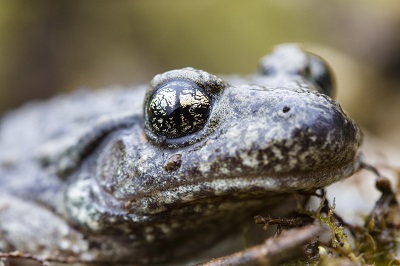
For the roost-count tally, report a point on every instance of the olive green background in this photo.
(49, 47)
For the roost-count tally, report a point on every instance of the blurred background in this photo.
(51, 47)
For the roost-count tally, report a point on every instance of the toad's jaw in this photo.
(239, 188)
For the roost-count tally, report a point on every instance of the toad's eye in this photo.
(320, 74)
(177, 108)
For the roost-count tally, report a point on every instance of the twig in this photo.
(41, 260)
(274, 251)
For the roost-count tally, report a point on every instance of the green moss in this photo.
(375, 243)
(340, 246)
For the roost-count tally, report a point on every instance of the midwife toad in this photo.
(102, 177)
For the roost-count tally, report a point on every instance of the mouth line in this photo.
(237, 189)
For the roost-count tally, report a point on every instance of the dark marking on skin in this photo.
(173, 163)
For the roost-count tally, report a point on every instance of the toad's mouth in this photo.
(238, 189)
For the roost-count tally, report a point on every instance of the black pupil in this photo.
(178, 109)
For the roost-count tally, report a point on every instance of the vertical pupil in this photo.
(173, 112)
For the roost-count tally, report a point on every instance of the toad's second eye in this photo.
(177, 108)
(320, 73)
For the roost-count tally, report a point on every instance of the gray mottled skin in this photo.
(82, 175)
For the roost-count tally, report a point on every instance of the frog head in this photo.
(208, 148)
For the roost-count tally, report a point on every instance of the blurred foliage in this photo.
(51, 46)
(48, 47)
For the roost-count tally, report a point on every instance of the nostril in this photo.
(286, 109)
